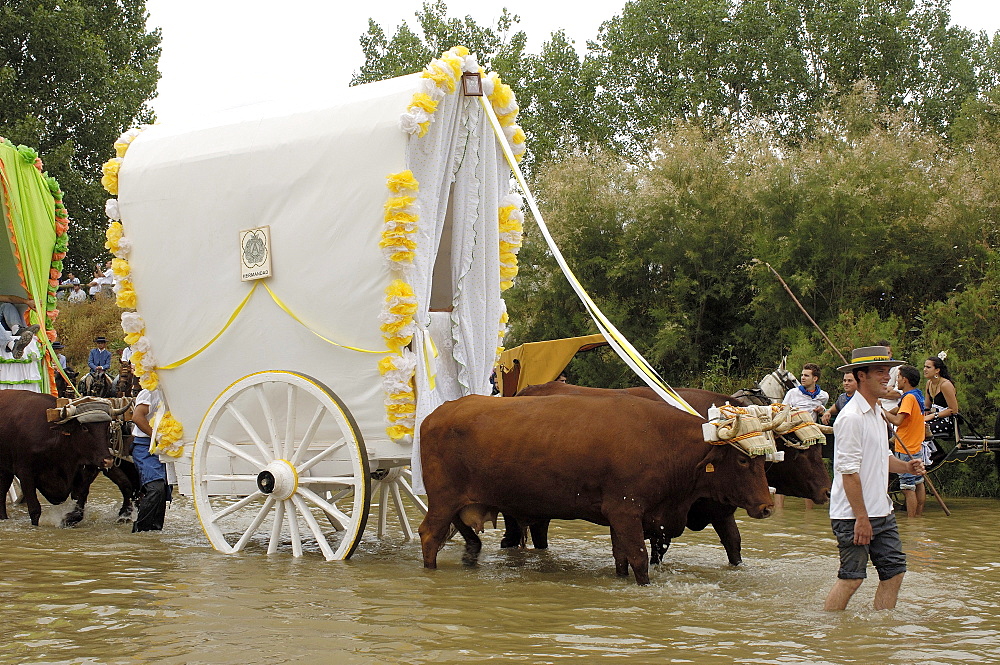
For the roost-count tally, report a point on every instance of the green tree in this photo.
(406, 52)
(780, 62)
(74, 74)
(555, 88)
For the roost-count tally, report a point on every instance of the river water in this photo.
(97, 594)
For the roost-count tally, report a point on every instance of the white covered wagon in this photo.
(305, 283)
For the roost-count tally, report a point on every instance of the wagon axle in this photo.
(279, 479)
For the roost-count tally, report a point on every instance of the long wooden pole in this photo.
(927, 479)
(811, 320)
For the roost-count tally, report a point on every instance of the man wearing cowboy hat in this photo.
(860, 508)
(99, 357)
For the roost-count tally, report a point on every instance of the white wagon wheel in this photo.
(392, 491)
(271, 451)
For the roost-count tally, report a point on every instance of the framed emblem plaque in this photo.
(255, 253)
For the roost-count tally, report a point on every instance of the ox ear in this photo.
(710, 462)
(66, 428)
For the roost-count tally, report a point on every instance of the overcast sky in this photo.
(223, 53)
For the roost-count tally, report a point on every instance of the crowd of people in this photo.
(101, 285)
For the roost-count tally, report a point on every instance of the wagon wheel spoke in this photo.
(279, 517)
(249, 429)
(341, 519)
(408, 490)
(305, 466)
(383, 514)
(293, 527)
(397, 500)
(252, 529)
(307, 438)
(326, 480)
(232, 477)
(265, 409)
(314, 527)
(245, 501)
(337, 496)
(236, 450)
(290, 411)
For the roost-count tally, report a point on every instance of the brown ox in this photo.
(622, 461)
(801, 474)
(56, 460)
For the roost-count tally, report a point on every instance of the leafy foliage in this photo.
(781, 61)
(869, 222)
(74, 74)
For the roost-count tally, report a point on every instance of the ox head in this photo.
(87, 423)
(730, 476)
(802, 473)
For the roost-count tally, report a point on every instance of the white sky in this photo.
(223, 53)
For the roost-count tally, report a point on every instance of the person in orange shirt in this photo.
(909, 440)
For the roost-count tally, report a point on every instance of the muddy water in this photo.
(97, 594)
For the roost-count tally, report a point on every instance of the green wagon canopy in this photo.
(34, 240)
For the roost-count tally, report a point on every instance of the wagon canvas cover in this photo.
(383, 202)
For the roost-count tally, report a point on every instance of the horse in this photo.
(776, 384)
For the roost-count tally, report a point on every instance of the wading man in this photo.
(860, 508)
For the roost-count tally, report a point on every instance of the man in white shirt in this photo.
(77, 295)
(152, 472)
(809, 396)
(860, 508)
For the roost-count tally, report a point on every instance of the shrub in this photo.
(78, 325)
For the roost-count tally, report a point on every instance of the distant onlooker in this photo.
(107, 281)
(942, 396)
(99, 357)
(67, 284)
(77, 295)
(850, 387)
(909, 437)
(58, 347)
(94, 285)
(809, 396)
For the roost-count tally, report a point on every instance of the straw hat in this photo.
(869, 356)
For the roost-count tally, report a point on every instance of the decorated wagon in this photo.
(304, 282)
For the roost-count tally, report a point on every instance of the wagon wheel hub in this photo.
(278, 478)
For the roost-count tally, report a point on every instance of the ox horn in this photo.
(117, 412)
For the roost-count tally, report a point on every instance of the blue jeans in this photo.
(909, 481)
(150, 467)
